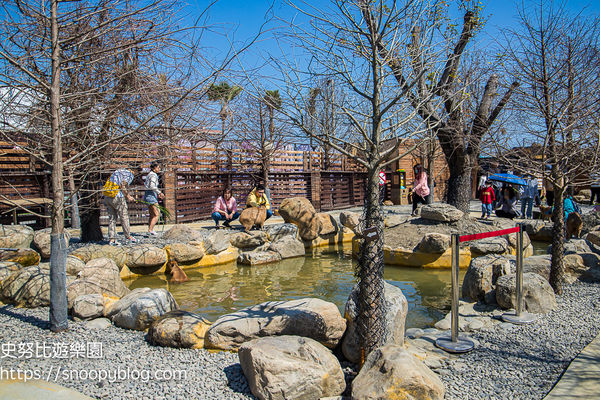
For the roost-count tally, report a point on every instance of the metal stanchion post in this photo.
(454, 343)
(520, 316)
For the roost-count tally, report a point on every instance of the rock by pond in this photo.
(138, 309)
(179, 329)
(538, 296)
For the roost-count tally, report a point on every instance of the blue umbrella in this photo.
(508, 178)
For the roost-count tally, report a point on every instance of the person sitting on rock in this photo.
(257, 198)
(225, 209)
(508, 205)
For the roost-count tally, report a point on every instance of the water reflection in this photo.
(328, 274)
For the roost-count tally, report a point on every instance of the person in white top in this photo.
(151, 196)
(116, 194)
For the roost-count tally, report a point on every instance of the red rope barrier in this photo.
(476, 236)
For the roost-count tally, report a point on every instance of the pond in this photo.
(328, 274)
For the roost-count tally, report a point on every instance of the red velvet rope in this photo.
(466, 238)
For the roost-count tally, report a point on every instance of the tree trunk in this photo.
(75, 222)
(90, 210)
(558, 236)
(459, 183)
(371, 306)
(58, 244)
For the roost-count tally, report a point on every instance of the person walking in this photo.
(151, 196)
(116, 194)
(420, 188)
(528, 194)
(225, 209)
(595, 186)
(487, 197)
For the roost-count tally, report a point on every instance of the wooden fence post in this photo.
(315, 189)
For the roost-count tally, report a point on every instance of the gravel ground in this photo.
(524, 362)
(210, 375)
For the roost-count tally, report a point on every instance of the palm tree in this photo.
(222, 93)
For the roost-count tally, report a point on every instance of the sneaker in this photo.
(226, 224)
(113, 243)
(132, 239)
(152, 233)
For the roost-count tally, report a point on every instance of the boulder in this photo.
(434, 243)
(288, 247)
(179, 329)
(88, 306)
(538, 230)
(495, 245)
(15, 236)
(538, 296)
(184, 252)
(395, 319)
(8, 268)
(393, 372)
(246, 240)
(184, 234)
(276, 232)
(591, 221)
(538, 265)
(25, 257)
(93, 251)
(28, 287)
(392, 220)
(216, 242)
(593, 237)
(577, 265)
(258, 257)
(349, 219)
(290, 367)
(512, 240)
(329, 225)
(482, 275)
(308, 317)
(441, 212)
(100, 276)
(139, 308)
(300, 211)
(74, 265)
(41, 241)
(145, 255)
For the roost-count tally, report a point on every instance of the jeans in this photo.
(486, 209)
(527, 202)
(220, 217)
(117, 208)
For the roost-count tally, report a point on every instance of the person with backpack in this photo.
(116, 194)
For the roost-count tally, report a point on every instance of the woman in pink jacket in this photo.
(420, 188)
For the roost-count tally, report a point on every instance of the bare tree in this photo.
(556, 59)
(341, 46)
(82, 72)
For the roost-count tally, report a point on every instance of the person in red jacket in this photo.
(487, 197)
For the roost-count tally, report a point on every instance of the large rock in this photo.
(15, 236)
(393, 372)
(290, 367)
(179, 329)
(184, 234)
(145, 255)
(28, 287)
(434, 243)
(441, 212)
(276, 232)
(482, 275)
(139, 308)
(538, 230)
(74, 265)
(184, 252)
(88, 306)
(300, 211)
(329, 225)
(216, 242)
(349, 219)
(93, 251)
(25, 257)
(396, 308)
(309, 317)
(538, 296)
(591, 221)
(41, 241)
(593, 237)
(288, 247)
(246, 240)
(512, 240)
(538, 265)
(100, 276)
(496, 245)
(258, 257)
(8, 268)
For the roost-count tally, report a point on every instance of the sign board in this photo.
(370, 234)
(382, 178)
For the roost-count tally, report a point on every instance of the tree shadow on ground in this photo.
(30, 319)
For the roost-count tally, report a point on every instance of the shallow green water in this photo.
(327, 275)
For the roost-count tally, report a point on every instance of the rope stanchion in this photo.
(455, 343)
(520, 316)
(477, 236)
